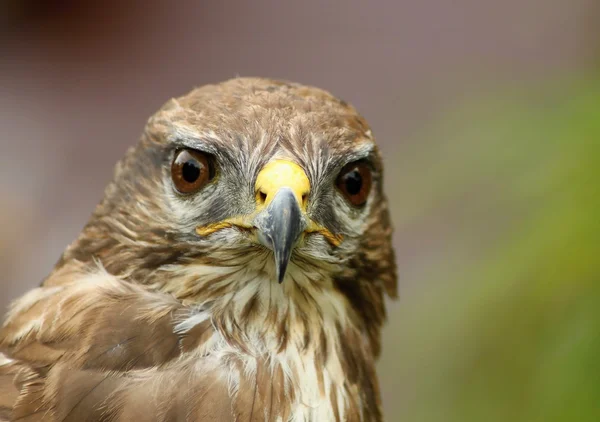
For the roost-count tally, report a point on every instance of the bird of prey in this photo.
(235, 270)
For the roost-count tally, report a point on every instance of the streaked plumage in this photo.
(167, 307)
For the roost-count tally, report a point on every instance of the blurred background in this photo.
(488, 114)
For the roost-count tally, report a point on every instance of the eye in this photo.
(191, 170)
(355, 181)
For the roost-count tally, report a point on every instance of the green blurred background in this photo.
(488, 114)
(508, 327)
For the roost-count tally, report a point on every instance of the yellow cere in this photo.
(282, 173)
(274, 176)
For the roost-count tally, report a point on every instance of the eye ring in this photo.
(355, 181)
(191, 170)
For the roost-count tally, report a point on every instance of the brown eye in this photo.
(191, 170)
(354, 182)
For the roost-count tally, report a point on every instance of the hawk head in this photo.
(235, 270)
(252, 197)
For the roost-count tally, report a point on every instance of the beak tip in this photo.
(281, 269)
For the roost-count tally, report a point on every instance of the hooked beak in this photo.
(282, 189)
(280, 225)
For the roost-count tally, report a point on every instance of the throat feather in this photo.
(300, 335)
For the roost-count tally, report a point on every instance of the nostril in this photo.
(261, 197)
(304, 198)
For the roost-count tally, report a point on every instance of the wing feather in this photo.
(102, 349)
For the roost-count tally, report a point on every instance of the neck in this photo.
(304, 328)
(308, 337)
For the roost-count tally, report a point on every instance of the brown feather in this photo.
(9, 392)
(130, 341)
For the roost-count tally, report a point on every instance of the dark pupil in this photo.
(354, 182)
(191, 171)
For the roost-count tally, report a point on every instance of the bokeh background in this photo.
(488, 113)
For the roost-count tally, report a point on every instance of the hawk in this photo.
(235, 270)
